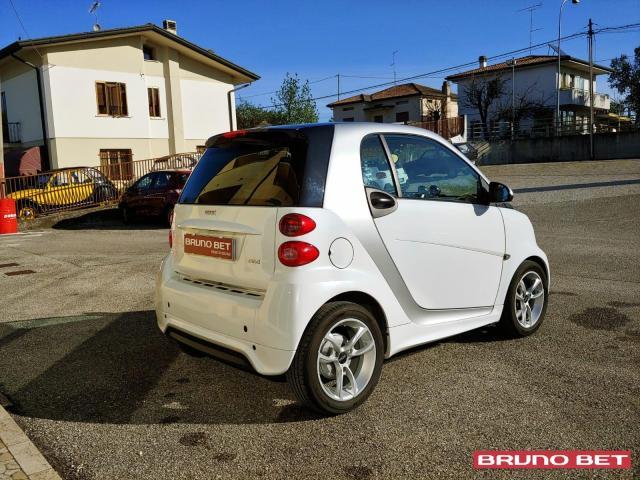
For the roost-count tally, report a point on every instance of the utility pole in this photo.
(338, 77)
(393, 64)
(591, 91)
(513, 97)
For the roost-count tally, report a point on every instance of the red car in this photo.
(153, 195)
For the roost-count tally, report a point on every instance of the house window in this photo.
(377, 118)
(402, 116)
(148, 52)
(402, 102)
(348, 119)
(347, 109)
(111, 98)
(154, 101)
(117, 164)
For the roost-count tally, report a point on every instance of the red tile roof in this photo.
(404, 90)
(527, 61)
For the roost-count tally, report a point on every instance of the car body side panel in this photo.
(520, 245)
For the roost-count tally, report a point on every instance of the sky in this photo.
(353, 38)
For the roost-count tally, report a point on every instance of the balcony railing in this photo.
(577, 96)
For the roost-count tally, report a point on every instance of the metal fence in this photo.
(80, 187)
(544, 128)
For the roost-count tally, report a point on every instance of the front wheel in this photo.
(339, 359)
(526, 302)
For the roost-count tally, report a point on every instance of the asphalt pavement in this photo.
(104, 395)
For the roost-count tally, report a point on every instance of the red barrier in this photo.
(8, 219)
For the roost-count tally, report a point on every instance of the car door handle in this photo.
(381, 200)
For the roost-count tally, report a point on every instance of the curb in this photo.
(23, 451)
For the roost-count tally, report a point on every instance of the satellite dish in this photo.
(97, 27)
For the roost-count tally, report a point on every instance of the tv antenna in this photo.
(393, 65)
(94, 10)
(531, 9)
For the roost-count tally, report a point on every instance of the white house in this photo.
(409, 102)
(137, 92)
(534, 79)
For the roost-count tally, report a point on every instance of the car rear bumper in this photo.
(223, 323)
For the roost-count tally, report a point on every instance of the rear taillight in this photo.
(296, 224)
(296, 254)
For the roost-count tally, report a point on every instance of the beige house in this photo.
(409, 102)
(138, 92)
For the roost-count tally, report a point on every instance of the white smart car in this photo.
(299, 249)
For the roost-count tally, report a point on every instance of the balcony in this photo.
(580, 98)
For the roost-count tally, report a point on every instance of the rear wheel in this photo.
(339, 359)
(27, 210)
(526, 302)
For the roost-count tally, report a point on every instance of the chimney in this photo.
(170, 26)
(482, 60)
(446, 89)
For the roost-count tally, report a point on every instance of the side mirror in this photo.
(499, 193)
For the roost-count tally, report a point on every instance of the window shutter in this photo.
(101, 98)
(123, 99)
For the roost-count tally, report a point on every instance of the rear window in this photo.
(274, 167)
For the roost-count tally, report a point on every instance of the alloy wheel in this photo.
(529, 299)
(346, 359)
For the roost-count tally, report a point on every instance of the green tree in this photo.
(294, 102)
(249, 115)
(625, 78)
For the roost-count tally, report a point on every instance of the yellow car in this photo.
(60, 189)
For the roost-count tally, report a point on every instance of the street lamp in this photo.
(575, 2)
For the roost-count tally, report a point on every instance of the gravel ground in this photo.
(104, 395)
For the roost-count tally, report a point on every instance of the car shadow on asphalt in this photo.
(107, 219)
(120, 369)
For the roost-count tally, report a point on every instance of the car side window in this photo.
(60, 180)
(376, 171)
(162, 180)
(145, 183)
(428, 170)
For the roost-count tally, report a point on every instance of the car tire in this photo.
(26, 209)
(524, 308)
(311, 374)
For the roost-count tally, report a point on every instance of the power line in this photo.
(276, 91)
(24, 29)
(443, 70)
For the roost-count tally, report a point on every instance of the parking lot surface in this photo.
(104, 395)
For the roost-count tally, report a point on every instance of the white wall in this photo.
(23, 105)
(75, 112)
(205, 109)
